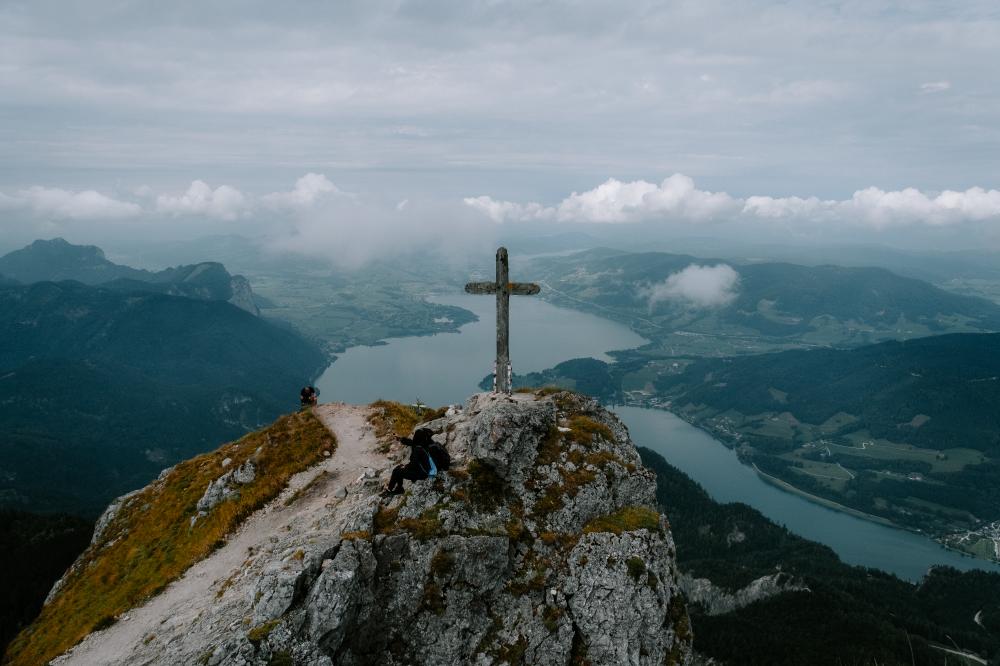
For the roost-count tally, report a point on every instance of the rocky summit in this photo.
(542, 544)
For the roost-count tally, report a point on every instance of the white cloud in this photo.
(678, 199)
(615, 201)
(224, 202)
(349, 232)
(308, 189)
(65, 204)
(935, 86)
(764, 206)
(698, 286)
(878, 208)
(506, 211)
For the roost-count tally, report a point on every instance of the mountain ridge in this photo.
(759, 307)
(57, 260)
(515, 554)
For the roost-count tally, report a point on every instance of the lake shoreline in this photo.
(833, 505)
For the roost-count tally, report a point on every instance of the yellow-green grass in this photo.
(151, 541)
(829, 475)
(770, 424)
(882, 449)
(836, 422)
(984, 548)
(640, 380)
(583, 429)
(394, 419)
(924, 505)
(627, 519)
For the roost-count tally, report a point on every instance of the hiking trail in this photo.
(182, 601)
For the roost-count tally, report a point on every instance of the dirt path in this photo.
(182, 602)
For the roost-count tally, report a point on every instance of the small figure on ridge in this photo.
(308, 396)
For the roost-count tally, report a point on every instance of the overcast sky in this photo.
(867, 116)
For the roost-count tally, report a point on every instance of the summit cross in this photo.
(503, 288)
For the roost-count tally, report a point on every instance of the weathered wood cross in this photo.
(503, 288)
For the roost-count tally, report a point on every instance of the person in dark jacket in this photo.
(308, 396)
(419, 466)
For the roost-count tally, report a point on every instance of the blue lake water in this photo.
(446, 368)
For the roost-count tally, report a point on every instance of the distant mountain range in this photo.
(56, 260)
(769, 305)
(102, 387)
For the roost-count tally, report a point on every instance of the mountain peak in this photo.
(57, 260)
(59, 247)
(541, 544)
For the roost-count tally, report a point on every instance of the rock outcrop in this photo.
(242, 294)
(714, 600)
(541, 545)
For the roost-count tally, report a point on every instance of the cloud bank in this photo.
(307, 191)
(64, 204)
(314, 218)
(200, 200)
(461, 97)
(224, 202)
(678, 199)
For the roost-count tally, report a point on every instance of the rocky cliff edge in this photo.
(541, 545)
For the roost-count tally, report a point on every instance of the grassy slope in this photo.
(151, 542)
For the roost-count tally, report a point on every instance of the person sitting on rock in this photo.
(308, 396)
(418, 468)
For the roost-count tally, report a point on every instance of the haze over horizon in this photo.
(333, 131)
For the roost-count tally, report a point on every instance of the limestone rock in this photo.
(242, 295)
(540, 545)
(226, 485)
(714, 600)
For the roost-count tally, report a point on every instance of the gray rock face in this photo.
(717, 601)
(243, 295)
(226, 486)
(500, 559)
(538, 546)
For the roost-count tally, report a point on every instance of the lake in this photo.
(446, 368)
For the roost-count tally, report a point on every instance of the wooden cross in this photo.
(503, 288)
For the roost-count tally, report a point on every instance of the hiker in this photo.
(423, 451)
(308, 396)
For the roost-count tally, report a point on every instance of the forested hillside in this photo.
(760, 307)
(99, 390)
(849, 615)
(936, 392)
(36, 551)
